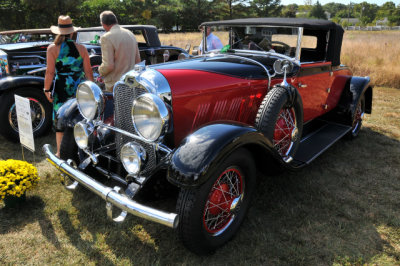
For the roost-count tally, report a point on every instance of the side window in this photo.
(313, 48)
(309, 42)
(140, 38)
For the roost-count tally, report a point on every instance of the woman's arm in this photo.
(87, 67)
(51, 56)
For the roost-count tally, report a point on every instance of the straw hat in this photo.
(64, 26)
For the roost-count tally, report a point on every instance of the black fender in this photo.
(14, 82)
(352, 92)
(194, 161)
(68, 114)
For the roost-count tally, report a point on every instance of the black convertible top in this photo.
(289, 22)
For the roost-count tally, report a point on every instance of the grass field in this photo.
(343, 209)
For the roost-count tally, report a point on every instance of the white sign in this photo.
(24, 118)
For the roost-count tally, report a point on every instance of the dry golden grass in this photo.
(373, 54)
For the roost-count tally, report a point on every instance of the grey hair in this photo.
(108, 18)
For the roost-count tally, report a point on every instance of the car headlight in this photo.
(150, 116)
(132, 156)
(90, 100)
(81, 135)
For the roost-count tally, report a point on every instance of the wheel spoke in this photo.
(217, 213)
(283, 131)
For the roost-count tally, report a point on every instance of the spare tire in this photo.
(280, 119)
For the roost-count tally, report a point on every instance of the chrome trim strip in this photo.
(29, 56)
(30, 66)
(36, 70)
(299, 39)
(110, 195)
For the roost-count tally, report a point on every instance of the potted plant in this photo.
(16, 177)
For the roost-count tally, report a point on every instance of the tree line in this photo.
(183, 15)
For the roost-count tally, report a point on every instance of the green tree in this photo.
(366, 12)
(167, 14)
(317, 11)
(12, 14)
(267, 8)
(388, 10)
(289, 11)
(334, 8)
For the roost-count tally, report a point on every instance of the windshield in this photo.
(93, 37)
(23, 37)
(89, 37)
(281, 40)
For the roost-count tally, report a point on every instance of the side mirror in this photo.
(281, 66)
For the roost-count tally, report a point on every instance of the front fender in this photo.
(13, 82)
(193, 162)
(68, 114)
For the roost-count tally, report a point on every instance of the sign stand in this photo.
(23, 157)
(24, 119)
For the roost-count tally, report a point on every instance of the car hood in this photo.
(223, 65)
(20, 46)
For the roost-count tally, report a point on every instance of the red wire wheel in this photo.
(280, 119)
(285, 129)
(219, 207)
(211, 214)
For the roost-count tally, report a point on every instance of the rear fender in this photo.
(355, 88)
(199, 154)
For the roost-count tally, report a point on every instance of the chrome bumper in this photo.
(110, 195)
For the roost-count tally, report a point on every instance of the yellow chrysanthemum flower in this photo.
(16, 177)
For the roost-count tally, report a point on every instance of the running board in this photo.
(319, 141)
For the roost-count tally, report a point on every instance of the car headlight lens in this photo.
(132, 156)
(81, 135)
(90, 100)
(150, 116)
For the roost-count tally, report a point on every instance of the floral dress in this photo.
(69, 73)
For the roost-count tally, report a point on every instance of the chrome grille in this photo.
(123, 99)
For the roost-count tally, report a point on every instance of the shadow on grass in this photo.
(332, 211)
(13, 219)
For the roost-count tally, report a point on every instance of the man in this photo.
(119, 50)
(213, 42)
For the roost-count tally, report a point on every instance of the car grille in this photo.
(123, 99)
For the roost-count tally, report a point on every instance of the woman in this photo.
(70, 64)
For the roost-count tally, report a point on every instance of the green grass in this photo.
(343, 209)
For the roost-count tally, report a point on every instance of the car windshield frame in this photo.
(139, 32)
(26, 38)
(261, 31)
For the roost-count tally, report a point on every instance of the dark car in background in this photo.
(274, 97)
(23, 65)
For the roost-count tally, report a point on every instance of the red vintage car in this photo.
(274, 97)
